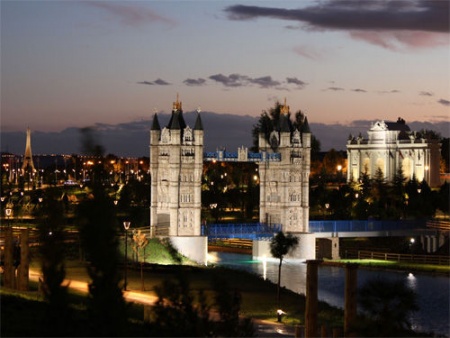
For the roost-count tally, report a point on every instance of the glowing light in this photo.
(264, 260)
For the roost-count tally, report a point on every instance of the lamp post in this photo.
(8, 212)
(126, 226)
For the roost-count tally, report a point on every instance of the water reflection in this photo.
(433, 291)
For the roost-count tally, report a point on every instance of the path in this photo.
(78, 281)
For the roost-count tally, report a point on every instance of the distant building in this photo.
(390, 146)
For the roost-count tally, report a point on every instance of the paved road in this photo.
(78, 280)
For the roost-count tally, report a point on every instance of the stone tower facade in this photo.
(176, 164)
(284, 183)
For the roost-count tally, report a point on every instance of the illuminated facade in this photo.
(390, 146)
(176, 165)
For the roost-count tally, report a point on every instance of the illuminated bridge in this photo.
(322, 229)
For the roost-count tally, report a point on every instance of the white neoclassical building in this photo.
(390, 146)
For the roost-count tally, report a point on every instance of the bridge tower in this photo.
(176, 164)
(284, 185)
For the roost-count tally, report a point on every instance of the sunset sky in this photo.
(78, 63)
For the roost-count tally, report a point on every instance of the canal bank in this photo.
(432, 290)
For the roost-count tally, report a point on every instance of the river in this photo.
(432, 290)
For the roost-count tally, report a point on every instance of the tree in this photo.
(281, 245)
(140, 243)
(98, 227)
(51, 235)
(388, 305)
(180, 312)
(270, 121)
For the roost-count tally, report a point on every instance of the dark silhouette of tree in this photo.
(397, 193)
(57, 319)
(445, 155)
(228, 304)
(388, 305)
(174, 314)
(179, 312)
(99, 228)
(281, 245)
(341, 202)
(270, 121)
(443, 197)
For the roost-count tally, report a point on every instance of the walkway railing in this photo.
(368, 225)
(397, 257)
(240, 230)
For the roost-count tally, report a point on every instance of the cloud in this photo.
(156, 82)
(423, 93)
(161, 82)
(233, 80)
(393, 91)
(296, 81)
(335, 89)
(444, 102)
(194, 82)
(307, 52)
(383, 23)
(265, 82)
(238, 80)
(358, 90)
(128, 14)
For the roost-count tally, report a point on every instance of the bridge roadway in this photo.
(322, 229)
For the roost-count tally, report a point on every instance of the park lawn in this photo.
(258, 296)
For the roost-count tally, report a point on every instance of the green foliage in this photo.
(281, 244)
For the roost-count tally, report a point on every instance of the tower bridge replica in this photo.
(176, 162)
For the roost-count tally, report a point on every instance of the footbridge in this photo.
(321, 229)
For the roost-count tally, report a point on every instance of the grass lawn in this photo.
(393, 265)
(258, 296)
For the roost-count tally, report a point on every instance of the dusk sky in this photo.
(78, 63)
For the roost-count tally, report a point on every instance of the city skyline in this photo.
(74, 64)
(221, 131)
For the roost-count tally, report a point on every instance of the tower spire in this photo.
(284, 108)
(28, 157)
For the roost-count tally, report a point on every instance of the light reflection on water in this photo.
(433, 291)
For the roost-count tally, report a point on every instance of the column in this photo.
(311, 298)
(350, 302)
(23, 269)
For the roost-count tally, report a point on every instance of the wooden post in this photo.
(24, 266)
(9, 273)
(147, 313)
(336, 332)
(350, 302)
(311, 298)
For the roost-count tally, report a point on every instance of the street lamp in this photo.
(126, 226)
(8, 212)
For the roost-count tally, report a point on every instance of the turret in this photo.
(155, 131)
(285, 130)
(306, 134)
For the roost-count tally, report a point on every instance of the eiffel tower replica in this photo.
(28, 164)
